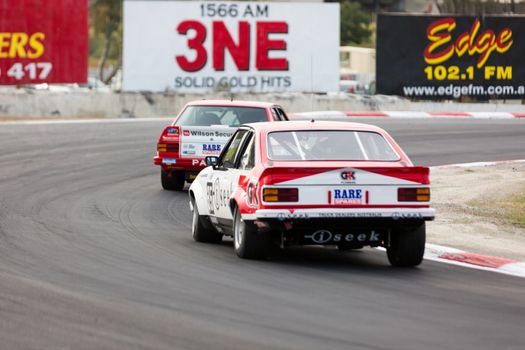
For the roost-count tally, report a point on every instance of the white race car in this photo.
(325, 183)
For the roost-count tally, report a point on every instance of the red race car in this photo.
(324, 183)
(201, 129)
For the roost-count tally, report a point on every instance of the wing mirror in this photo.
(211, 161)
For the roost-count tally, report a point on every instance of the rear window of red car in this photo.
(221, 115)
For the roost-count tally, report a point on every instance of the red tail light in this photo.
(172, 147)
(169, 140)
(276, 194)
(170, 133)
(413, 194)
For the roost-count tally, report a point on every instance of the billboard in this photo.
(191, 46)
(448, 57)
(43, 41)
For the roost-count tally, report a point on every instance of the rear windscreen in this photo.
(220, 115)
(329, 145)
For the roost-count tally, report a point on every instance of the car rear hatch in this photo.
(193, 142)
(356, 191)
(202, 141)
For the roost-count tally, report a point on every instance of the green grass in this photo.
(510, 209)
(517, 210)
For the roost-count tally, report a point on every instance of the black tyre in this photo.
(407, 247)
(247, 242)
(172, 181)
(202, 230)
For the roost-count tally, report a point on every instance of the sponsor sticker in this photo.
(294, 215)
(225, 134)
(200, 162)
(211, 148)
(169, 161)
(351, 215)
(347, 196)
(348, 175)
(325, 236)
(321, 236)
(397, 215)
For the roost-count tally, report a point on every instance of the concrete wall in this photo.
(87, 104)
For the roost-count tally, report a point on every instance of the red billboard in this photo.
(43, 41)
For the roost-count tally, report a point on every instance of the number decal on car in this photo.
(209, 195)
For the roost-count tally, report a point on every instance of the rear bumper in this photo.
(175, 163)
(395, 214)
(157, 160)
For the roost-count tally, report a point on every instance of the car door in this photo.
(223, 181)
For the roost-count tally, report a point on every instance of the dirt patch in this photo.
(465, 218)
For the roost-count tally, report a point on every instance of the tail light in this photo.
(413, 194)
(169, 140)
(277, 194)
(168, 147)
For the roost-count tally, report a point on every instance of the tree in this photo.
(106, 27)
(473, 7)
(355, 25)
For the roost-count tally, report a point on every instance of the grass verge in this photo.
(510, 209)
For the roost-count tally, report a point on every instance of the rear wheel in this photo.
(172, 180)
(407, 247)
(201, 230)
(247, 242)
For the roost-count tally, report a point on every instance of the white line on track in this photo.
(478, 164)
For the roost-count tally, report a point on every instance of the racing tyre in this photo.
(201, 230)
(407, 247)
(247, 242)
(173, 181)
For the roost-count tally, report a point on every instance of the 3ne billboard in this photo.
(447, 57)
(43, 41)
(189, 46)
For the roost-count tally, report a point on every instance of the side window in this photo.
(281, 112)
(276, 115)
(248, 157)
(230, 154)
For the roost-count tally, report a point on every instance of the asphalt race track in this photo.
(95, 255)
